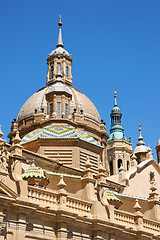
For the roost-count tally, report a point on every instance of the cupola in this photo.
(35, 176)
(65, 61)
(116, 131)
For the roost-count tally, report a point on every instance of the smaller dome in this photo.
(112, 197)
(34, 172)
(58, 51)
(116, 110)
(141, 149)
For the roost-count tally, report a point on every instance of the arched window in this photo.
(127, 165)
(50, 109)
(58, 109)
(67, 71)
(66, 109)
(60, 68)
(111, 168)
(119, 164)
(51, 72)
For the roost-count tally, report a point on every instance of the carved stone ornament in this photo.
(2, 227)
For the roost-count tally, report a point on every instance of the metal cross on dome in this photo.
(60, 17)
(139, 122)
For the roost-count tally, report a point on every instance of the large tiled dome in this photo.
(79, 102)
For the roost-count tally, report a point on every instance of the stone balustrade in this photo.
(41, 195)
(129, 220)
(48, 198)
(79, 205)
(124, 217)
(151, 225)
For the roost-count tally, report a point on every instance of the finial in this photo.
(60, 18)
(121, 168)
(88, 163)
(115, 98)
(61, 183)
(140, 138)
(133, 157)
(1, 133)
(115, 92)
(101, 168)
(60, 42)
(158, 143)
(137, 207)
(17, 138)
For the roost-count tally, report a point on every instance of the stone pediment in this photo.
(140, 177)
(142, 167)
(6, 192)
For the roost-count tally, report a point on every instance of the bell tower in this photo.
(65, 61)
(118, 148)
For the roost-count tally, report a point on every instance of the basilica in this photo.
(62, 176)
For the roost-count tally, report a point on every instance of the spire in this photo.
(140, 138)
(141, 150)
(60, 42)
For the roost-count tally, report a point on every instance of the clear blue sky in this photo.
(113, 43)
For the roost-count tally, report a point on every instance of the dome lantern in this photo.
(116, 131)
(65, 61)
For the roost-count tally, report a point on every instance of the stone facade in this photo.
(62, 177)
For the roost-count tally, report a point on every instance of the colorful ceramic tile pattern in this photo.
(34, 172)
(59, 131)
(112, 197)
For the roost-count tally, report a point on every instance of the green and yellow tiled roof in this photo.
(34, 172)
(112, 197)
(59, 132)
